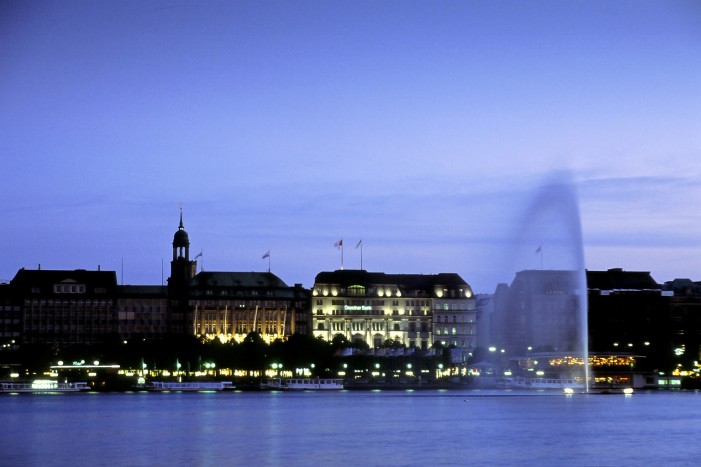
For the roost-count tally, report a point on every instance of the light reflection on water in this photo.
(350, 428)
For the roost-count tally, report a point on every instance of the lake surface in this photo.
(388, 428)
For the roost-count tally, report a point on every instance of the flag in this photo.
(540, 247)
(358, 245)
(338, 244)
(198, 255)
(266, 255)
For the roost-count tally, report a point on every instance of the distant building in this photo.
(412, 310)
(229, 305)
(629, 312)
(685, 321)
(540, 311)
(484, 306)
(142, 312)
(10, 317)
(63, 308)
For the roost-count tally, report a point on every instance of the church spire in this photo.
(181, 241)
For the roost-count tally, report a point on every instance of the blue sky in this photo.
(426, 129)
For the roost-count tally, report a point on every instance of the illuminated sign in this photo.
(356, 308)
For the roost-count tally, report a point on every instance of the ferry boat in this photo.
(302, 384)
(43, 386)
(543, 383)
(192, 386)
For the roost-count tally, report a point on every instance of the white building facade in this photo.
(411, 310)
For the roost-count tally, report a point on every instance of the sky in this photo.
(437, 132)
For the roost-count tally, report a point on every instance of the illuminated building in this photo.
(412, 310)
(229, 305)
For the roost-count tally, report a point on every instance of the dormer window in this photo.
(69, 287)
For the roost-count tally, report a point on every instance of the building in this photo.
(685, 324)
(142, 312)
(629, 312)
(63, 308)
(229, 305)
(10, 318)
(411, 310)
(542, 311)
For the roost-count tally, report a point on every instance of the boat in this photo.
(43, 386)
(543, 383)
(191, 386)
(302, 384)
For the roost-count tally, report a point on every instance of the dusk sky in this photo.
(426, 129)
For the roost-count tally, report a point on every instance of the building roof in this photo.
(26, 280)
(237, 279)
(618, 279)
(546, 281)
(348, 277)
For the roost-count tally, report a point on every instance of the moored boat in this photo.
(543, 383)
(192, 386)
(301, 384)
(43, 386)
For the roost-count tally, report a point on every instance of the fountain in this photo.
(540, 319)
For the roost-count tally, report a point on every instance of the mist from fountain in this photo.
(546, 259)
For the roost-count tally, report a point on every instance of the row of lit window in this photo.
(242, 292)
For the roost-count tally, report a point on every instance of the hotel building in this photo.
(411, 310)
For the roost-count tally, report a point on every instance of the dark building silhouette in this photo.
(539, 311)
(629, 313)
(63, 308)
(685, 321)
(142, 312)
(182, 270)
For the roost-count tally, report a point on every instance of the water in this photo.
(437, 428)
(546, 306)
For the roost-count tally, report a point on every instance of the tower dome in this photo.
(181, 241)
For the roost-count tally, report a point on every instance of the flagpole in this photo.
(360, 245)
(339, 245)
(267, 255)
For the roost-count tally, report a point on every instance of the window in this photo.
(356, 291)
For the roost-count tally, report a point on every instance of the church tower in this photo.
(182, 270)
